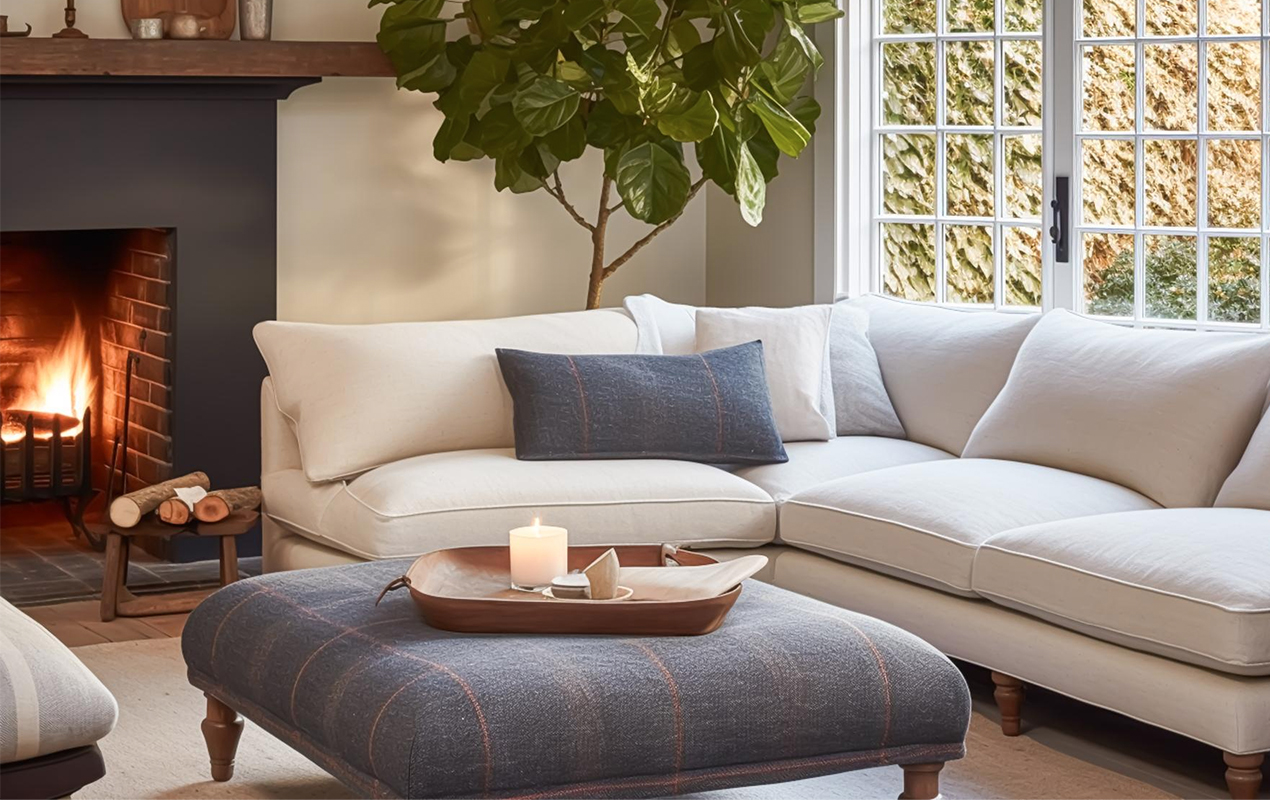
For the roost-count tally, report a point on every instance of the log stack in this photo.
(128, 510)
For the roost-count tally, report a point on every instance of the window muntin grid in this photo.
(952, 221)
(1156, 244)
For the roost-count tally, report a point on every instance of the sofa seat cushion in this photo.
(1190, 584)
(812, 463)
(924, 522)
(49, 701)
(473, 497)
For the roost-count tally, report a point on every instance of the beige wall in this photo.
(371, 228)
(770, 265)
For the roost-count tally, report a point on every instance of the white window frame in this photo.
(848, 172)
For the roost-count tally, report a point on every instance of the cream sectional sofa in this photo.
(1067, 516)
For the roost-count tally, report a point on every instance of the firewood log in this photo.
(127, 510)
(174, 511)
(222, 502)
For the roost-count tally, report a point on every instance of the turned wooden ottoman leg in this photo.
(1243, 775)
(222, 729)
(1009, 697)
(921, 781)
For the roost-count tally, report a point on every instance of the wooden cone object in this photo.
(603, 573)
(223, 502)
(174, 511)
(127, 510)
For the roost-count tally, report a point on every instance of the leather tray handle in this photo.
(393, 585)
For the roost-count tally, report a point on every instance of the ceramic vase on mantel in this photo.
(255, 19)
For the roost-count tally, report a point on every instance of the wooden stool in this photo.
(117, 600)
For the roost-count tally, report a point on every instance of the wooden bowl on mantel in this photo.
(221, 16)
(468, 589)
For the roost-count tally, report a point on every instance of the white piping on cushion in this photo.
(1010, 602)
(896, 523)
(1123, 582)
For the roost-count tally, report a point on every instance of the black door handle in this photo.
(1060, 233)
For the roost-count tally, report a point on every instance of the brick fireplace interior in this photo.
(74, 306)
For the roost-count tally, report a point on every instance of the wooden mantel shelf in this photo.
(191, 59)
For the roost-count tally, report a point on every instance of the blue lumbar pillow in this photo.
(710, 407)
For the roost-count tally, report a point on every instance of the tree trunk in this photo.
(127, 510)
(596, 286)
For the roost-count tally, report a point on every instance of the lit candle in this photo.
(539, 554)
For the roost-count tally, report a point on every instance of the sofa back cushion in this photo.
(1166, 413)
(1249, 485)
(360, 396)
(942, 367)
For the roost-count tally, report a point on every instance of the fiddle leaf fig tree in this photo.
(531, 84)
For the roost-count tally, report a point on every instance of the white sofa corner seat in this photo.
(1029, 522)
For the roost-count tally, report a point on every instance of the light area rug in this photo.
(157, 751)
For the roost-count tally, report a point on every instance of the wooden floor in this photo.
(79, 623)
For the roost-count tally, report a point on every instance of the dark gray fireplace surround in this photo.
(197, 156)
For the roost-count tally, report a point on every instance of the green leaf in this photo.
(501, 133)
(509, 175)
(811, 13)
(788, 133)
(683, 37)
(804, 41)
(580, 13)
(538, 160)
(806, 110)
(643, 15)
(751, 189)
(485, 71)
(567, 142)
(653, 182)
(733, 50)
(487, 17)
(717, 157)
(606, 126)
(544, 105)
(701, 73)
(694, 124)
(522, 9)
(765, 154)
(786, 67)
(449, 136)
(572, 73)
(410, 35)
(435, 75)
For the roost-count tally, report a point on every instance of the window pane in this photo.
(908, 16)
(1234, 86)
(968, 261)
(1107, 186)
(1108, 267)
(1234, 183)
(969, 164)
(1233, 16)
(1109, 81)
(1022, 91)
(1172, 17)
(1171, 282)
(908, 83)
(970, 15)
(1103, 18)
(1172, 78)
(1023, 176)
(1023, 15)
(1171, 183)
(1022, 266)
(969, 79)
(1234, 280)
(908, 261)
(908, 173)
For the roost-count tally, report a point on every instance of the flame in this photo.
(60, 383)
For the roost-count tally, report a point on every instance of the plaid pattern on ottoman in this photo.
(788, 688)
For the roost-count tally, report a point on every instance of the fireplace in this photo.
(138, 228)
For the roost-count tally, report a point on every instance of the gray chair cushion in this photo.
(787, 688)
(711, 407)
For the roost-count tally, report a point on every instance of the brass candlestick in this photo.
(70, 31)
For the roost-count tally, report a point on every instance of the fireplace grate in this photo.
(43, 463)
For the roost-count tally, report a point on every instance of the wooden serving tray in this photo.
(467, 589)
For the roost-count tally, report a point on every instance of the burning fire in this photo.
(60, 383)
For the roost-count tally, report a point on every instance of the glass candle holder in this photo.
(539, 555)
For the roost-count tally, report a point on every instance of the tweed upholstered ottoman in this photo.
(787, 688)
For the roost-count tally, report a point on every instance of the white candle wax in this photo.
(539, 554)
